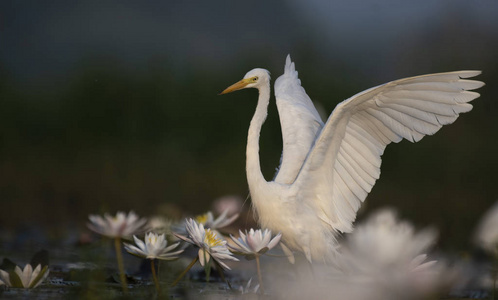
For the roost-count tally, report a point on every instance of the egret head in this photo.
(255, 78)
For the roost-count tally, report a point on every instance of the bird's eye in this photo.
(254, 79)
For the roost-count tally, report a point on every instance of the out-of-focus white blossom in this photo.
(24, 278)
(209, 244)
(486, 235)
(154, 246)
(231, 204)
(208, 220)
(160, 224)
(382, 259)
(254, 242)
(121, 225)
(385, 242)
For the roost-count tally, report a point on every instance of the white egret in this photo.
(327, 170)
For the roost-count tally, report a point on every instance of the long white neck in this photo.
(253, 168)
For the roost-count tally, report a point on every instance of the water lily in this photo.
(254, 243)
(121, 225)
(390, 253)
(384, 258)
(24, 278)
(160, 224)
(210, 246)
(384, 241)
(153, 247)
(117, 227)
(208, 220)
(486, 235)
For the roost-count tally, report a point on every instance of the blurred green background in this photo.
(112, 105)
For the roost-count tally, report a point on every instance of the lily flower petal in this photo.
(154, 247)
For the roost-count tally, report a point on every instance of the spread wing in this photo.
(299, 120)
(344, 163)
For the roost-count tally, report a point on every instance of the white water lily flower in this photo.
(160, 224)
(254, 242)
(154, 246)
(121, 225)
(486, 235)
(208, 220)
(26, 278)
(209, 244)
(385, 242)
(382, 259)
(388, 255)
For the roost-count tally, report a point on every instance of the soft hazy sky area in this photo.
(44, 38)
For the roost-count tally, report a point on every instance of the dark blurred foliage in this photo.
(111, 135)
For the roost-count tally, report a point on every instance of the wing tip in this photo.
(290, 67)
(478, 84)
(469, 73)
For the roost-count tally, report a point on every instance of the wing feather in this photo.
(300, 123)
(344, 161)
(365, 180)
(369, 167)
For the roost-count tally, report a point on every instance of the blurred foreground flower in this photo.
(153, 247)
(486, 235)
(254, 243)
(385, 242)
(27, 278)
(230, 203)
(382, 259)
(210, 246)
(389, 253)
(117, 227)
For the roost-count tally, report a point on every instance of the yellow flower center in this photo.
(211, 239)
(202, 219)
(152, 239)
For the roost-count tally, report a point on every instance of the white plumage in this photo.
(327, 170)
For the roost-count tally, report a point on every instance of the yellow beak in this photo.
(236, 86)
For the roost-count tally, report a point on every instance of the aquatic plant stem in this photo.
(259, 275)
(494, 273)
(119, 257)
(186, 270)
(207, 268)
(154, 276)
(494, 285)
(222, 275)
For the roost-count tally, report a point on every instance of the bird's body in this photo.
(328, 169)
